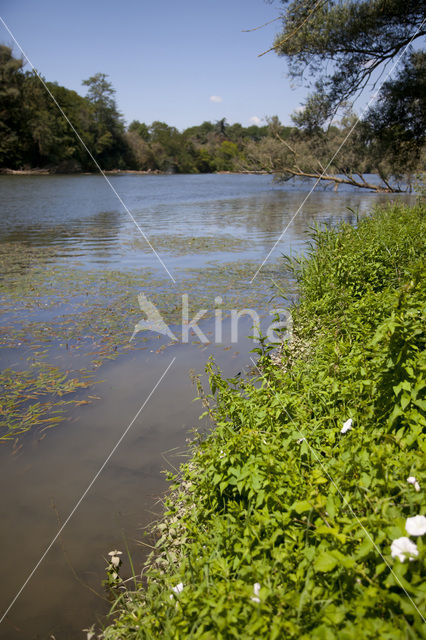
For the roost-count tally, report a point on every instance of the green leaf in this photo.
(301, 506)
(325, 562)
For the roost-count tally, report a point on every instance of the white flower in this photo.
(413, 480)
(404, 547)
(256, 591)
(416, 526)
(115, 561)
(347, 426)
(115, 553)
(177, 589)
(301, 440)
(222, 455)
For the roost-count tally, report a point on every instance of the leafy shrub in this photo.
(280, 526)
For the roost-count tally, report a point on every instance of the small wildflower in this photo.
(416, 526)
(177, 589)
(347, 426)
(404, 547)
(301, 440)
(256, 591)
(412, 480)
(114, 558)
(222, 455)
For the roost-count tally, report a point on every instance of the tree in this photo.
(32, 131)
(395, 129)
(10, 107)
(352, 38)
(221, 127)
(226, 156)
(306, 154)
(109, 145)
(141, 129)
(342, 46)
(101, 94)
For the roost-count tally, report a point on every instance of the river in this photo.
(73, 263)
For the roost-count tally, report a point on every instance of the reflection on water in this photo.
(81, 215)
(76, 220)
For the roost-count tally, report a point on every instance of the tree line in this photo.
(34, 133)
(388, 142)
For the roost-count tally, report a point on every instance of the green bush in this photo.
(280, 526)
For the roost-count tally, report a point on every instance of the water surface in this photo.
(71, 256)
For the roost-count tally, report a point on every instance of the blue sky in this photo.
(165, 60)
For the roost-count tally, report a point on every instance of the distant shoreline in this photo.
(113, 172)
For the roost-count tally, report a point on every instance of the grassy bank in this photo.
(281, 523)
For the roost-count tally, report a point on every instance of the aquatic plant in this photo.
(54, 310)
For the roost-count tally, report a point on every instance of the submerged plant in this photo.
(85, 318)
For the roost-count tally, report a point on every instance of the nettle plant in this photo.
(301, 514)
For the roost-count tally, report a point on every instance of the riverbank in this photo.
(292, 517)
(116, 172)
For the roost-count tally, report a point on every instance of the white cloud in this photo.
(215, 99)
(255, 120)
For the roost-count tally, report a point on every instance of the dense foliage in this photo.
(34, 134)
(281, 524)
(342, 43)
(343, 47)
(206, 148)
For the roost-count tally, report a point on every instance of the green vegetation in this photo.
(345, 47)
(342, 43)
(56, 310)
(388, 142)
(38, 396)
(33, 132)
(281, 523)
(206, 148)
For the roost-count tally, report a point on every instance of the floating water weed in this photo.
(86, 317)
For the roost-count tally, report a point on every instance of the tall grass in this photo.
(281, 526)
